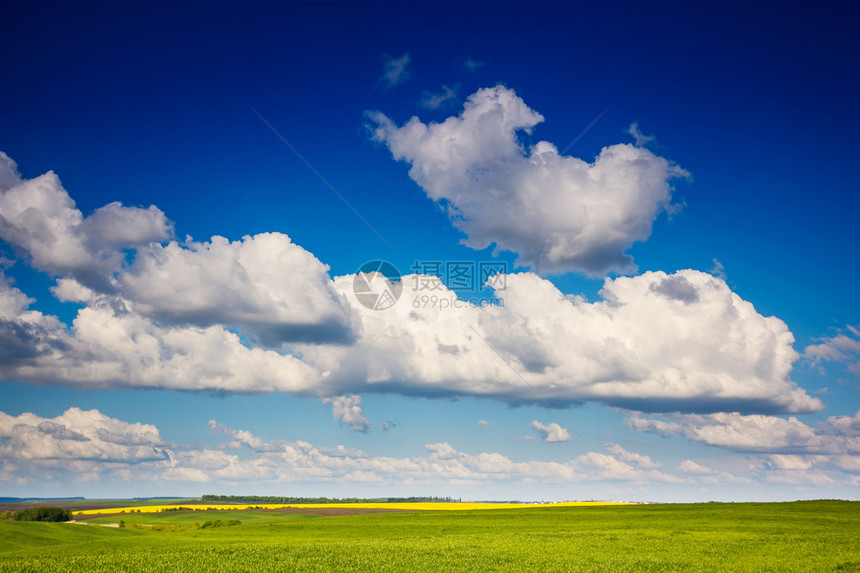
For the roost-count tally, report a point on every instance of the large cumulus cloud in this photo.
(110, 346)
(556, 212)
(264, 284)
(40, 219)
(263, 315)
(654, 342)
(637, 348)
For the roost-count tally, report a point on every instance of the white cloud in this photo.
(484, 424)
(9, 175)
(395, 71)
(632, 458)
(792, 452)
(435, 100)
(791, 462)
(623, 464)
(78, 435)
(750, 433)
(640, 138)
(239, 438)
(691, 467)
(299, 460)
(347, 412)
(38, 218)
(556, 212)
(648, 345)
(551, 432)
(82, 445)
(844, 347)
(27, 337)
(108, 346)
(847, 425)
(798, 469)
(718, 270)
(270, 288)
(708, 476)
(655, 342)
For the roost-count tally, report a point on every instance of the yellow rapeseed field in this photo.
(416, 506)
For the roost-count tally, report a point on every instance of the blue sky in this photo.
(671, 188)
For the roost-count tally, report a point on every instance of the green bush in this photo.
(43, 514)
(218, 523)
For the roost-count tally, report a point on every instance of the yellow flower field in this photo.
(417, 506)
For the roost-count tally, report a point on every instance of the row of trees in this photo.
(282, 499)
(38, 514)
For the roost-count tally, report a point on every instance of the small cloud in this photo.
(641, 139)
(395, 71)
(471, 64)
(844, 348)
(388, 425)
(718, 270)
(346, 410)
(691, 467)
(484, 424)
(551, 432)
(432, 100)
(343, 452)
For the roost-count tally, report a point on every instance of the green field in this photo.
(799, 536)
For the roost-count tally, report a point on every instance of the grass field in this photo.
(799, 536)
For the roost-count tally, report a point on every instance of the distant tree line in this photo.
(38, 514)
(284, 499)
